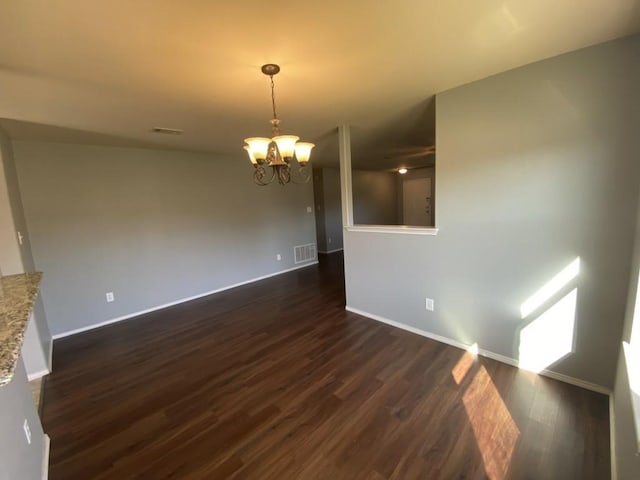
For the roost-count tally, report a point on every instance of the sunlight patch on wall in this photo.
(632, 358)
(635, 321)
(549, 289)
(633, 364)
(549, 337)
(495, 431)
(498, 26)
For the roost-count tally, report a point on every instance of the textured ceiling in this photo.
(107, 72)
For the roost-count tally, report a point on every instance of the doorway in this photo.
(417, 204)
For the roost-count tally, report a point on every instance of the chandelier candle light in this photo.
(277, 152)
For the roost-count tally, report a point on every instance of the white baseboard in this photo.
(38, 374)
(46, 449)
(332, 251)
(485, 353)
(408, 328)
(176, 302)
(612, 439)
(45, 371)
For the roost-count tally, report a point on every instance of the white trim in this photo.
(50, 356)
(332, 251)
(38, 374)
(612, 439)
(182, 300)
(408, 328)
(344, 152)
(485, 353)
(46, 449)
(402, 229)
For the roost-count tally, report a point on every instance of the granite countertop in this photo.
(17, 295)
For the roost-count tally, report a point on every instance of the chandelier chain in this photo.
(273, 98)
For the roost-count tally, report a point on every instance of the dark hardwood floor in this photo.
(275, 380)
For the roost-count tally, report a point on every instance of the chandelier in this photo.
(279, 151)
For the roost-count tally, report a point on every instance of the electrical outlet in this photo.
(110, 297)
(20, 238)
(429, 304)
(27, 431)
(309, 209)
(278, 257)
(329, 239)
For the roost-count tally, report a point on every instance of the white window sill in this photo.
(633, 371)
(401, 229)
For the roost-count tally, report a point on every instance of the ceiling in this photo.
(107, 72)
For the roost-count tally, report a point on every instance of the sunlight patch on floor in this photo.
(464, 364)
(495, 431)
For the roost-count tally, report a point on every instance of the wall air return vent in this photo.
(304, 253)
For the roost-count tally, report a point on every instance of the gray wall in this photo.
(375, 198)
(10, 252)
(16, 258)
(332, 208)
(328, 209)
(318, 199)
(536, 166)
(627, 459)
(152, 226)
(19, 460)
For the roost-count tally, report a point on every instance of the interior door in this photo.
(417, 207)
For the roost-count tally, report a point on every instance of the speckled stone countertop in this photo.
(17, 294)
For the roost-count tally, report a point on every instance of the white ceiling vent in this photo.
(304, 253)
(167, 131)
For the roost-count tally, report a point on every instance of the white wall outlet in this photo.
(278, 257)
(27, 431)
(20, 238)
(329, 239)
(309, 209)
(110, 297)
(429, 305)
